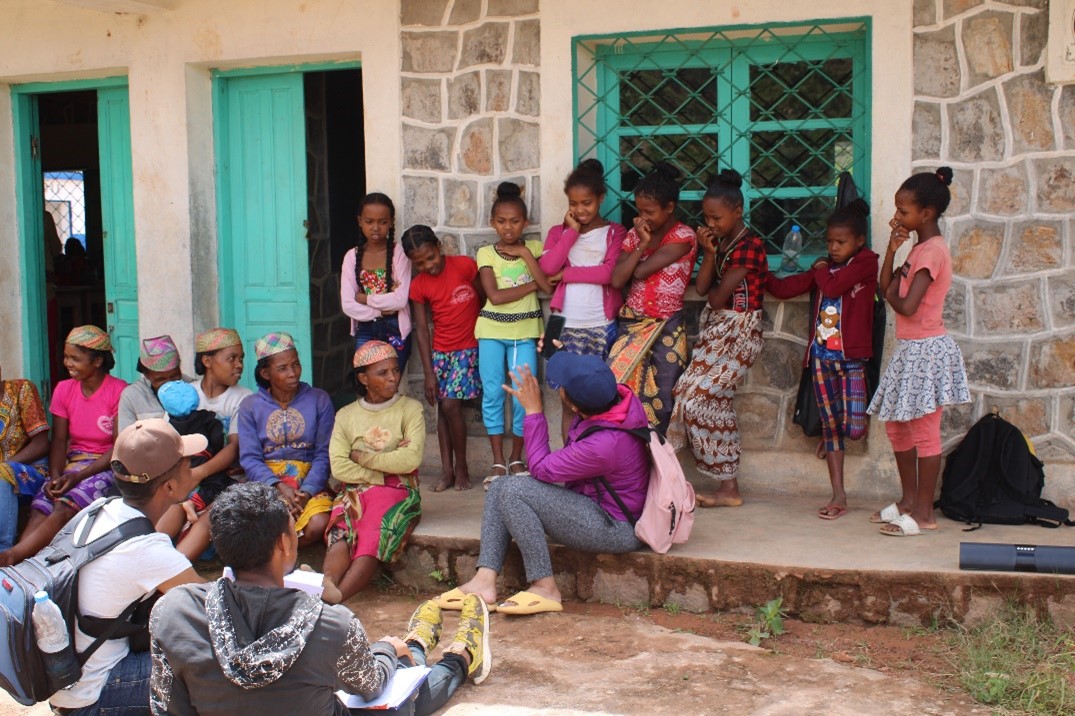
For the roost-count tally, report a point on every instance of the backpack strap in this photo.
(642, 434)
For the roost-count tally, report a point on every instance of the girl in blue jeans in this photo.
(509, 323)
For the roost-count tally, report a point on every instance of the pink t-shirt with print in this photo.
(90, 420)
(661, 295)
(931, 255)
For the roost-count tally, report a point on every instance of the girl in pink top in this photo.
(84, 411)
(926, 372)
(375, 280)
(579, 257)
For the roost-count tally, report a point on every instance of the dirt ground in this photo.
(601, 659)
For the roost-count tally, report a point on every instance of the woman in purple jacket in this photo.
(581, 515)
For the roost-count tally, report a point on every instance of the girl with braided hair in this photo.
(375, 280)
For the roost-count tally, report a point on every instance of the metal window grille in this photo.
(785, 105)
(65, 199)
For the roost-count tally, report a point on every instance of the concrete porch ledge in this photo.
(840, 571)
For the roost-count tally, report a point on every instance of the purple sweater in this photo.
(619, 456)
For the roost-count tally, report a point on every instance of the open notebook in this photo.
(404, 683)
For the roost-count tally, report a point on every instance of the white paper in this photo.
(403, 684)
(309, 582)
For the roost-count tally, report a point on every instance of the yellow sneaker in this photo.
(472, 637)
(424, 626)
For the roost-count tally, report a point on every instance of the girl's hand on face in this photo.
(706, 239)
(898, 236)
(526, 390)
(571, 222)
(644, 231)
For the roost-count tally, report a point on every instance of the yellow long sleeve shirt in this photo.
(376, 430)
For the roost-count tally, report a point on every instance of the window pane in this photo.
(810, 157)
(694, 155)
(651, 98)
(772, 218)
(801, 90)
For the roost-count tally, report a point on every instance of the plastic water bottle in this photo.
(793, 246)
(57, 655)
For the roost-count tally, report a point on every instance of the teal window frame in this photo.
(731, 52)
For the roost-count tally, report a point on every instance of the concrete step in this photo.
(772, 546)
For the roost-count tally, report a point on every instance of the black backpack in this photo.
(993, 477)
(55, 570)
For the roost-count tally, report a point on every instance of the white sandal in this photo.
(907, 526)
(513, 463)
(491, 478)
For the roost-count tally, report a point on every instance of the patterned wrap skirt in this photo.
(587, 342)
(376, 520)
(923, 375)
(293, 473)
(94, 487)
(648, 357)
(26, 478)
(704, 415)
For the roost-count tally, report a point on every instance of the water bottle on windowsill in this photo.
(793, 246)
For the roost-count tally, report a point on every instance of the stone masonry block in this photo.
(528, 97)
(987, 43)
(926, 130)
(427, 148)
(758, 415)
(1003, 191)
(1036, 246)
(497, 90)
(421, 201)
(1031, 415)
(1052, 362)
(936, 64)
(955, 308)
(995, 365)
(628, 588)
(429, 51)
(955, 7)
(962, 190)
(925, 12)
(956, 420)
(1067, 415)
(693, 599)
(977, 248)
(1030, 112)
(461, 201)
(464, 95)
(1013, 309)
(519, 145)
(465, 11)
(527, 43)
(1061, 290)
(476, 148)
(422, 12)
(796, 318)
(1053, 450)
(779, 365)
(1033, 34)
(421, 99)
(511, 8)
(1067, 114)
(1056, 184)
(975, 130)
(484, 45)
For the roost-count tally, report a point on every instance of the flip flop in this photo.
(452, 600)
(826, 513)
(905, 524)
(889, 514)
(526, 470)
(529, 603)
(491, 478)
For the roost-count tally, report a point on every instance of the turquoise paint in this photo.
(69, 85)
(260, 133)
(287, 69)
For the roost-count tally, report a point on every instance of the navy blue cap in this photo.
(586, 379)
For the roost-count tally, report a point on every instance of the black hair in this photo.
(930, 189)
(727, 187)
(416, 236)
(509, 193)
(589, 174)
(108, 361)
(245, 524)
(258, 378)
(661, 185)
(139, 493)
(199, 367)
(853, 217)
(360, 388)
(141, 368)
(376, 199)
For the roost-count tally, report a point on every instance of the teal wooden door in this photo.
(117, 219)
(261, 155)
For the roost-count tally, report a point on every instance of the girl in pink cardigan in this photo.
(579, 257)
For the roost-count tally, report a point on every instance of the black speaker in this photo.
(1017, 557)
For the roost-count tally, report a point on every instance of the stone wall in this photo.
(471, 98)
(982, 107)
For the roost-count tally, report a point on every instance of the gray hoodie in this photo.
(223, 649)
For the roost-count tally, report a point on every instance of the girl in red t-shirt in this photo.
(732, 278)
(658, 254)
(449, 285)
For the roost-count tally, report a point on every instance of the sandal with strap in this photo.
(513, 463)
(491, 478)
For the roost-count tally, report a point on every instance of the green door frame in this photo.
(29, 205)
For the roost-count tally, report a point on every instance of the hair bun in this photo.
(667, 171)
(592, 166)
(945, 175)
(730, 177)
(509, 190)
(860, 206)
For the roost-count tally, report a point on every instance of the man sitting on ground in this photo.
(256, 646)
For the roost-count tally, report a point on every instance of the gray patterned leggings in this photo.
(526, 509)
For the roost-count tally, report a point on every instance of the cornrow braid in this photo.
(360, 249)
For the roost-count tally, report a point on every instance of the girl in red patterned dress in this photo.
(658, 254)
(732, 278)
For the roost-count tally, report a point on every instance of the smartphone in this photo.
(553, 328)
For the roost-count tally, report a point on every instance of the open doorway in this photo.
(335, 182)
